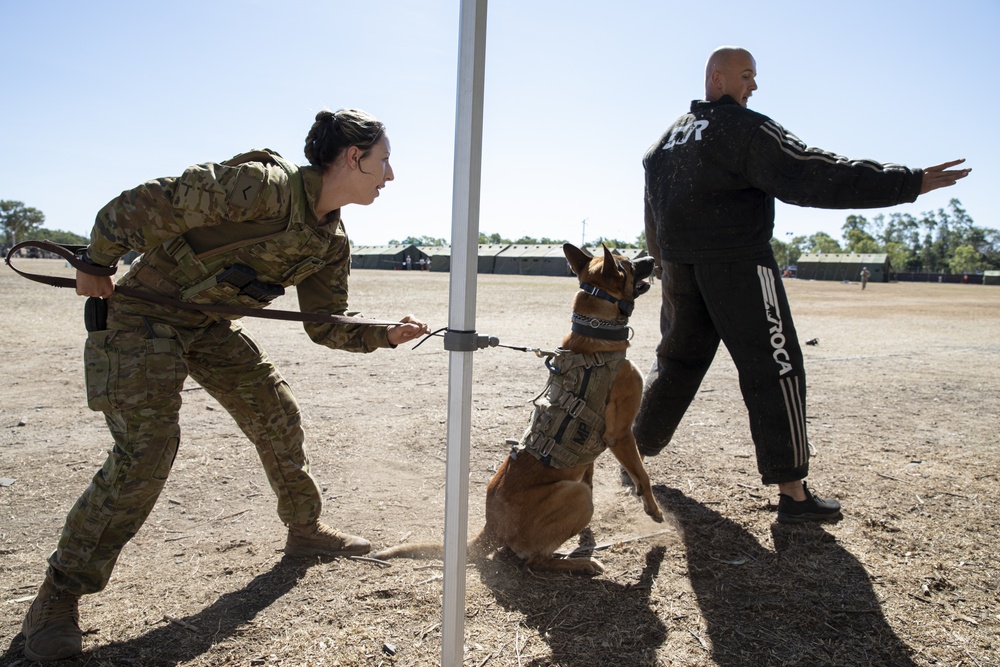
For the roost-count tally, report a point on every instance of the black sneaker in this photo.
(810, 509)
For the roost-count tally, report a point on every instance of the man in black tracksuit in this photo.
(711, 181)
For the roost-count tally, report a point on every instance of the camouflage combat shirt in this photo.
(256, 210)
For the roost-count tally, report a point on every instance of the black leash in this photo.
(74, 255)
(493, 341)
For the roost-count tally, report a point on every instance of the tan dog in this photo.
(542, 494)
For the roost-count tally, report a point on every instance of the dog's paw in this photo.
(655, 513)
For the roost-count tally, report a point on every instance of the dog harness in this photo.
(567, 425)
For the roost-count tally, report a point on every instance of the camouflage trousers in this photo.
(136, 370)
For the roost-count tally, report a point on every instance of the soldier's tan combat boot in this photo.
(52, 627)
(318, 539)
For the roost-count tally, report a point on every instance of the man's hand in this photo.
(942, 176)
(91, 285)
(409, 329)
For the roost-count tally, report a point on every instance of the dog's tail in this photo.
(477, 548)
(420, 550)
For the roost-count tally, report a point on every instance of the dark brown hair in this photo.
(335, 132)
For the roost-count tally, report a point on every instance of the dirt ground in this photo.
(904, 398)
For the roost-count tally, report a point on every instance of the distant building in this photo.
(843, 266)
(388, 257)
(533, 260)
(504, 258)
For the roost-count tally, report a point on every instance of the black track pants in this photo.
(744, 305)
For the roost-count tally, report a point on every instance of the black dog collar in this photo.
(596, 328)
(625, 307)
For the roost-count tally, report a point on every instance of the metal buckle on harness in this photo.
(572, 404)
(547, 445)
(539, 443)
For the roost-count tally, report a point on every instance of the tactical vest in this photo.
(250, 273)
(567, 425)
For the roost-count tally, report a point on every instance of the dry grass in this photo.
(904, 397)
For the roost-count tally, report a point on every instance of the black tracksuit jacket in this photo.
(712, 178)
(711, 182)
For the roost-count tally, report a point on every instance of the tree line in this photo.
(21, 223)
(497, 239)
(942, 241)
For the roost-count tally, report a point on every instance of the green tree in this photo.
(822, 242)
(59, 236)
(795, 249)
(856, 223)
(780, 250)
(432, 241)
(965, 260)
(900, 256)
(615, 243)
(492, 239)
(19, 221)
(861, 242)
(988, 245)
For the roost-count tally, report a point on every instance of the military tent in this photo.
(843, 266)
(488, 256)
(388, 257)
(532, 260)
(630, 253)
(438, 257)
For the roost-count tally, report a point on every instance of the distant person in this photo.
(236, 232)
(711, 182)
(865, 275)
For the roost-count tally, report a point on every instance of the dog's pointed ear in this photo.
(610, 269)
(577, 259)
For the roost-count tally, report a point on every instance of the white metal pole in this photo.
(462, 319)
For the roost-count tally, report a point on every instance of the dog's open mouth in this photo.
(641, 287)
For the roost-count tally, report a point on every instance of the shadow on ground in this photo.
(168, 645)
(585, 622)
(808, 602)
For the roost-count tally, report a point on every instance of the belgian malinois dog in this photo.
(542, 494)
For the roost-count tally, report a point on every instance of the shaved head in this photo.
(730, 70)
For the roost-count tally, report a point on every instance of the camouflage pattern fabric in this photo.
(136, 379)
(191, 229)
(257, 214)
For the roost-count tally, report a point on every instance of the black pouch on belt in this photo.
(95, 314)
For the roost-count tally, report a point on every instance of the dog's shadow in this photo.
(808, 602)
(585, 622)
(166, 645)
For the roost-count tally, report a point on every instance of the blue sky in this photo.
(100, 96)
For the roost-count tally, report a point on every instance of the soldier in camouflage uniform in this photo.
(234, 233)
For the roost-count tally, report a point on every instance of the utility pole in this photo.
(583, 234)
